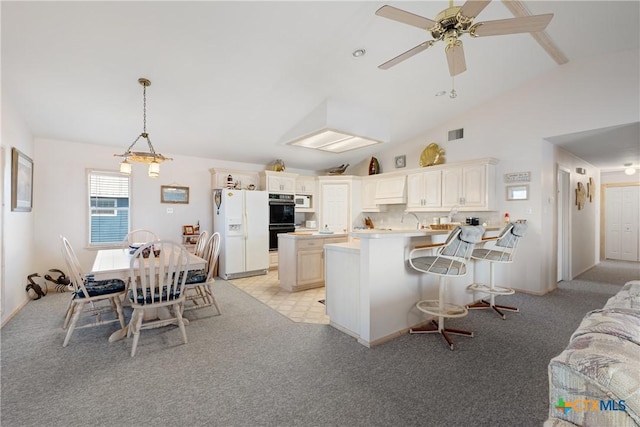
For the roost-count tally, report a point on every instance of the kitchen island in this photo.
(371, 291)
(301, 258)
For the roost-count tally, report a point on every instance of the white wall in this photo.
(578, 96)
(18, 248)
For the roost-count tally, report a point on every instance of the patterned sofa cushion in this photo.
(595, 381)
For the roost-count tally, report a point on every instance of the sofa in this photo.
(595, 381)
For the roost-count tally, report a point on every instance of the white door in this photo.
(335, 207)
(621, 223)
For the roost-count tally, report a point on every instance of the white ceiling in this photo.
(231, 79)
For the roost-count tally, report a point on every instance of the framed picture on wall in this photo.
(173, 194)
(21, 181)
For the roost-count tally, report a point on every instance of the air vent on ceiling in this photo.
(456, 134)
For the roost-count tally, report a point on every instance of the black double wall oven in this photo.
(281, 217)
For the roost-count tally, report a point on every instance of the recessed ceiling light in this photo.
(358, 53)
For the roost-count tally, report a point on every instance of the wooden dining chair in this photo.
(89, 296)
(201, 244)
(157, 273)
(199, 284)
(140, 236)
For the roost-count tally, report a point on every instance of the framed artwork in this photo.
(21, 181)
(187, 229)
(401, 161)
(173, 194)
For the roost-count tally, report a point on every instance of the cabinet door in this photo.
(432, 189)
(415, 190)
(474, 186)
(335, 206)
(305, 185)
(369, 195)
(310, 268)
(451, 187)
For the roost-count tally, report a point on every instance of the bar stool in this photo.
(450, 261)
(502, 251)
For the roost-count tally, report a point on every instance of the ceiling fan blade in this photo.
(525, 24)
(472, 8)
(408, 54)
(405, 17)
(455, 58)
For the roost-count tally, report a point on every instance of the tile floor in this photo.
(302, 306)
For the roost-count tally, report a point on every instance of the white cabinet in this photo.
(369, 186)
(240, 179)
(391, 190)
(424, 190)
(302, 261)
(340, 202)
(306, 185)
(469, 187)
(278, 182)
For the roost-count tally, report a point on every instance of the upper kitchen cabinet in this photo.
(306, 185)
(369, 185)
(424, 191)
(469, 187)
(340, 202)
(278, 182)
(391, 189)
(226, 178)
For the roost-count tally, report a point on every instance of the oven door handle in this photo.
(282, 202)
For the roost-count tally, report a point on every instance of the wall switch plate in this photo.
(169, 210)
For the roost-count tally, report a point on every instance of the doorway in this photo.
(563, 202)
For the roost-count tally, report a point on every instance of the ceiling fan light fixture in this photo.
(154, 159)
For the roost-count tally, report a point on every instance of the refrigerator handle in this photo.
(244, 225)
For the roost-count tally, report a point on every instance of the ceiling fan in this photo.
(455, 21)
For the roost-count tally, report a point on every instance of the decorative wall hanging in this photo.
(580, 196)
(432, 155)
(21, 181)
(173, 194)
(401, 161)
(590, 190)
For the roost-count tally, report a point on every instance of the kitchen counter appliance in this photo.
(242, 217)
(281, 217)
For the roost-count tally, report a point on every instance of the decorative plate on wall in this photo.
(432, 155)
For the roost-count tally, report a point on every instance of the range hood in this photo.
(336, 127)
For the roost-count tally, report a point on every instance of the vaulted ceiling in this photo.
(231, 79)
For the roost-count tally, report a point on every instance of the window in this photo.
(108, 207)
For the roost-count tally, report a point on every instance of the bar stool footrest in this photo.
(496, 290)
(448, 310)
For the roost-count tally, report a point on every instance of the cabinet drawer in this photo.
(335, 240)
(310, 244)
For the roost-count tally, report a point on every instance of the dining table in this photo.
(115, 264)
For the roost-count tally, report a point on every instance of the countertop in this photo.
(310, 235)
(376, 233)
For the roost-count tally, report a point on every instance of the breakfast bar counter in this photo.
(370, 290)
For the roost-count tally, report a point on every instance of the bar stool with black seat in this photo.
(498, 250)
(450, 261)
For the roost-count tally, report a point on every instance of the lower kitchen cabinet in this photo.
(301, 260)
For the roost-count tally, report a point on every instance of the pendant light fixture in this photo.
(154, 159)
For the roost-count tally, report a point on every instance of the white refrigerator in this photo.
(242, 219)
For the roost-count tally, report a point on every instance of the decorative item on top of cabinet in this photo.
(239, 179)
(401, 161)
(432, 155)
(338, 170)
(278, 166)
(374, 166)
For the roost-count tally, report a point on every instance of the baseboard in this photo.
(14, 312)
